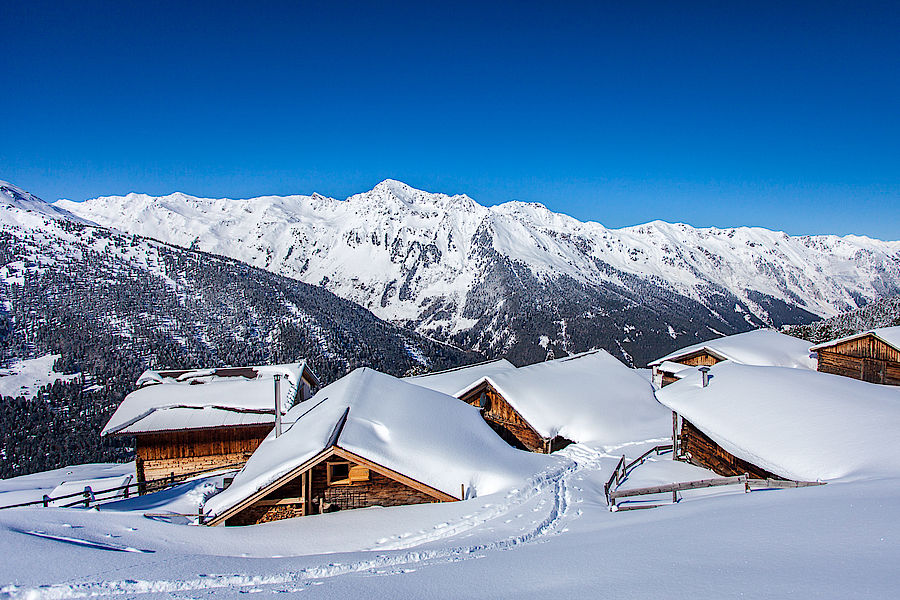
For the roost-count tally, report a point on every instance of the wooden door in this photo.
(873, 370)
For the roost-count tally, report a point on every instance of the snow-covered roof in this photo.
(201, 398)
(796, 423)
(888, 335)
(452, 381)
(761, 347)
(425, 435)
(674, 368)
(588, 397)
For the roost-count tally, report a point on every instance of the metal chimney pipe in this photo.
(277, 404)
(704, 375)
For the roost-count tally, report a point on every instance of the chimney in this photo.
(704, 375)
(277, 404)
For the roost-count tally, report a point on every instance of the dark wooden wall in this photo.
(506, 421)
(379, 490)
(698, 448)
(867, 359)
(162, 454)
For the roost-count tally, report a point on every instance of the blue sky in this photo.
(783, 115)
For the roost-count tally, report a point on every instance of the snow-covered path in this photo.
(554, 534)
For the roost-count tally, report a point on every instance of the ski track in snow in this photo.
(554, 483)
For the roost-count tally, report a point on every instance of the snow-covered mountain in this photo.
(17, 198)
(81, 299)
(517, 278)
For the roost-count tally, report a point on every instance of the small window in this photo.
(338, 473)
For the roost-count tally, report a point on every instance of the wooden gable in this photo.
(335, 479)
(508, 423)
(866, 358)
(700, 358)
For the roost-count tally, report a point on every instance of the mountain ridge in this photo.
(518, 278)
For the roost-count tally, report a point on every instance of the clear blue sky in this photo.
(776, 114)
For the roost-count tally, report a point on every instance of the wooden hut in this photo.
(187, 421)
(872, 356)
(782, 423)
(369, 439)
(761, 347)
(587, 397)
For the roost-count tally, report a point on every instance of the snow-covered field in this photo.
(26, 377)
(553, 537)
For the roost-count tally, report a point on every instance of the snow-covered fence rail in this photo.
(674, 488)
(87, 495)
(621, 471)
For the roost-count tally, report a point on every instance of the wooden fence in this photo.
(622, 470)
(674, 488)
(88, 496)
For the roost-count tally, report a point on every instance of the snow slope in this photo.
(26, 377)
(799, 424)
(555, 537)
(433, 260)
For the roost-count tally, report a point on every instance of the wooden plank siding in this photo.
(309, 491)
(866, 358)
(506, 421)
(161, 454)
(696, 447)
(700, 359)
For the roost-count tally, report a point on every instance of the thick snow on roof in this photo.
(588, 397)
(889, 335)
(453, 381)
(428, 436)
(173, 403)
(761, 347)
(796, 423)
(674, 368)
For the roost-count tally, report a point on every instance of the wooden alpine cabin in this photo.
(872, 356)
(369, 439)
(761, 347)
(546, 406)
(781, 423)
(187, 421)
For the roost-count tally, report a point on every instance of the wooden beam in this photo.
(677, 487)
(281, 501)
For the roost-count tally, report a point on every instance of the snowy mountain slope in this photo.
(518, 278)
(14, 197)
(113, 305)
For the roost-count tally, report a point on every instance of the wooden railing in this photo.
(622, 470)
(87, 496)
(674, 488)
